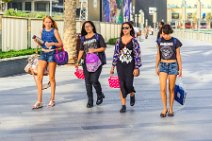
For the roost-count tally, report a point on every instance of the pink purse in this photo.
(79, 73)
(114, 82)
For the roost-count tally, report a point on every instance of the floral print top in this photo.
(123, 55)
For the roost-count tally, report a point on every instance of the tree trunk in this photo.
(70, 29)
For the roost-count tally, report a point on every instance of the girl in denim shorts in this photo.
(168, 66)
(50, 35)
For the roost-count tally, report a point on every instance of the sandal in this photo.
(163, 115)
(37, 105)
(170, 114)
(51, 104)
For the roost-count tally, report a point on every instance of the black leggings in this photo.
(126, 77)
(92, 79)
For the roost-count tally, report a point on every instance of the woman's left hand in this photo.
(136, 72)
(48, 45)
(91, 50)
(180, 73)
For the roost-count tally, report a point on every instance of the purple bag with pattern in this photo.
(92, 62)
(61, 57)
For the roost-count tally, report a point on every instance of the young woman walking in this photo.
(127, 61)
(50, 35)
(168, 66)
(92, 42)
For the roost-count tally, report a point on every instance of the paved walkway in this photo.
(70, 120)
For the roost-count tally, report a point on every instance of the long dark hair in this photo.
(167, 29)
(132, 32)
(83, 31)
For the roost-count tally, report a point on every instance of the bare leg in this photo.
(41, 67)
(163, 80)
(123, 100)
(52, 69)
(172, 80)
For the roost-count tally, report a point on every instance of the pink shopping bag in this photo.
(79, 73)
(114, 82)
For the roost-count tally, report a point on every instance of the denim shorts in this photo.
(47, 56)
(169, 68)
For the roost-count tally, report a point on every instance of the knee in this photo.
(163, 90)
(95, 82)
(52, 79)
(39, 78)
(171, 89)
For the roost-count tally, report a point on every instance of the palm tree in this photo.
(70, 29)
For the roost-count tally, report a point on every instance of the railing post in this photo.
(29, 33)
(1, 18)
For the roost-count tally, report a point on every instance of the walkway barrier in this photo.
(205, 36)
(16, 33)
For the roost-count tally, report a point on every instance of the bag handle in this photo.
(57, 49)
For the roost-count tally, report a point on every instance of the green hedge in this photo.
(12, 53)
(17, 13)
(112, 41)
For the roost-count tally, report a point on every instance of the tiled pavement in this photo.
(70, 120)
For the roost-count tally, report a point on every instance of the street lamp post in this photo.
(50, 9)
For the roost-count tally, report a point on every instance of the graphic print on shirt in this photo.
(166, 50)
(90, 44)
(125, 55)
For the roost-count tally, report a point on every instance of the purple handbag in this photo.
(61, 57)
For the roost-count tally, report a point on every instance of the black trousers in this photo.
(92, 79)
(126, 77)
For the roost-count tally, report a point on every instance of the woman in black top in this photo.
(91, 42)
(168, 66)
(127, 61)
(161, 24)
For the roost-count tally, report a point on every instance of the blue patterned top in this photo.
(136, 52)
(48, 36)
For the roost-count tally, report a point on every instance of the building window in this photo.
(28, 6)
(17, 5)
(40, 6)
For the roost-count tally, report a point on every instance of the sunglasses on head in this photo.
(125, 28)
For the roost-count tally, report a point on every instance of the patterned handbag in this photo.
(61, 57)
(114, 82)
(79, 73)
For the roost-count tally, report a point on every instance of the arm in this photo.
(157, 61)
(157, 57)
(81, 52)
(92, 50)
(115, 56)
(137, 54)
(179, 61)
(59, 42)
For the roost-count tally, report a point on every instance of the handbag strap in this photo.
(57, 49)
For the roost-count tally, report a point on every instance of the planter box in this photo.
(12, 66)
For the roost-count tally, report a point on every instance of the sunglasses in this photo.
(123, 28)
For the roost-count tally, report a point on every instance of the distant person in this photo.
(146, 32)
(127, 61)
(92, 43)
(138, 32)
(168, 66)
(161, 24)
(50, 35)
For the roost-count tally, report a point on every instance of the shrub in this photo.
(112, 41)
(13, 53)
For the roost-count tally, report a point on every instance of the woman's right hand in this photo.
(77, 65)
(112, 71)
(157, 71)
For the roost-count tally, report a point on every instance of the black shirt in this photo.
(92, 43)
(168, 48)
